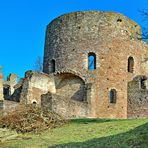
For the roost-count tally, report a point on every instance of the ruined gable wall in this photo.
(36, 84)
(9, 85)
(16, 96)
(12, 81)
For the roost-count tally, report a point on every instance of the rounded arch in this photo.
(61, 77)
(68, 71)
(91, 61)
(70, 86)
(130, 67)
(34, 102)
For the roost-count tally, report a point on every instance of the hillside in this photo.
(103, 133)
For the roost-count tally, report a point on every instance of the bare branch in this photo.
(38, 65)
(144, 13)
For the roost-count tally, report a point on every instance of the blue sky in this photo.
(23, 24)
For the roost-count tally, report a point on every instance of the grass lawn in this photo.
(101, 133)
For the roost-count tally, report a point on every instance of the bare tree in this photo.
(145, 29)
(38, 65)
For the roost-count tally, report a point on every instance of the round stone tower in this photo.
(111, 39)
(71, 36)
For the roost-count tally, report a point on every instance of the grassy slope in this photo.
(87, 133)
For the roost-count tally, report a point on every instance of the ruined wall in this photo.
(137, 98)
(69, 87)
(113, 38)
(36, 84)
(9, 106)
(70, 97)
(10, 96)
(12, 81)
(66, 107)
(16, 96)
(9, 85)
(69, 108)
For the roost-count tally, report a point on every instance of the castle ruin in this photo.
(95, 65)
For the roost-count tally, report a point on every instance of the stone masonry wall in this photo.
(69, 87)
(113, 38)
(137, 100)
(35, 85)
(70, 98)
(65, 106)
(12, 81)
(9, 85)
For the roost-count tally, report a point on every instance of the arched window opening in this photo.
(143, 83)
(131, 64)
(91, 61)
(6, 92)
(113, 95)
(52, 65)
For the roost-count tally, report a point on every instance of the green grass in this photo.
(102, 133)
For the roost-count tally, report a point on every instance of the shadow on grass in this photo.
(136, 138)
(93, 120)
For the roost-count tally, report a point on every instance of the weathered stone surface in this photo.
(113, 38)
(35, 84)
(12, 80)
(70, 88)
(137, 99)
(9, 85)
(70, 99)
(9, 106)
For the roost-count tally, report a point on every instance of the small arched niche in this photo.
(91, 61)
(113, 96)
(34, 102)
(130, 67)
